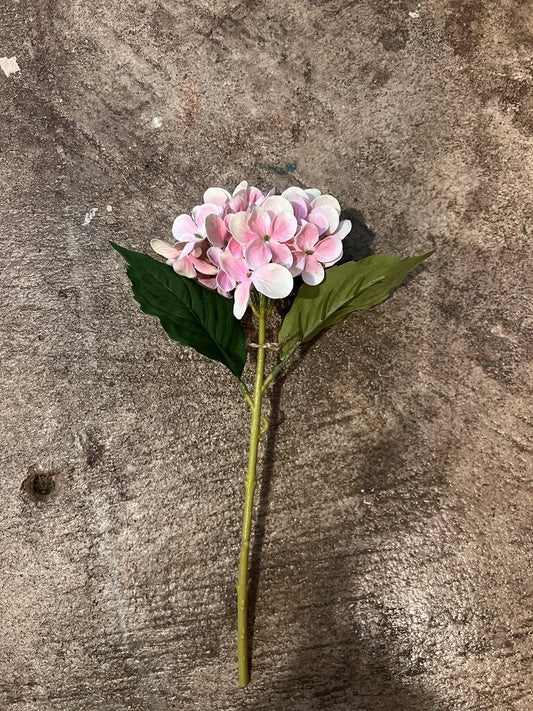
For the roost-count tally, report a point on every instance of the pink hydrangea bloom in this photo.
(183, 260)
(272, 280)
(313, 253)
(191, 230)
(262, 233)
(244, 197)
(237, 241)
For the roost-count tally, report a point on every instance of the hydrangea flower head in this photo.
(234, 242)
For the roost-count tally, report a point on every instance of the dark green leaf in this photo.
(190, 314)
(354, 286)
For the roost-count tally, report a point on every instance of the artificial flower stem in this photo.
(270, 378)
(249, 486)
(246, 394)
(249, 400)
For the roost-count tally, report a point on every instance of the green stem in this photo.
(249, 486)
(248, 398)
(279, 367)
(244, 391)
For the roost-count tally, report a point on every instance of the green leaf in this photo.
(354, 286)
(190, 314)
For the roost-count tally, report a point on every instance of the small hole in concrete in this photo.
(39, 484)
(44, 483)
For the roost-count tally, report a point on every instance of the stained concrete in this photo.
(393, 541)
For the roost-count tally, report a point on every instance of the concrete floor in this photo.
(392, 554)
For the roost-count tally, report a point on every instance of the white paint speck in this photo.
(9, 66)
(89, 216)
(414, 15)
(109, 208)
(157, 122)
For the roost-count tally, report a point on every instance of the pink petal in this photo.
(164, 249)
(235, 248)
(217, 196)
(242, 297)
(235, 268)
(281, 254)
(300, 207)
(328, 250)
(208, 282)
(344, 229)
(326, 200)
(257, 253)
(238, 225)
(225, 282)
(254, 195)
(259, 222)
(319, 220)
(216, 230)
(284, 226)
(183, 225)
(203, 266)
(213, 254)
(307, 237)
(313, 272)
(238, 203)
(330, 213)
(184, 267)
(298, 263)
(200, 212)
(273, 281)
(276, 204)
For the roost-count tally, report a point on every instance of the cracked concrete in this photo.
(393, 539)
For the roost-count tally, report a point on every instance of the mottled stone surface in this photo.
(393, 540)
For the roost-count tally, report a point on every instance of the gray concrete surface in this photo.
(393, 538)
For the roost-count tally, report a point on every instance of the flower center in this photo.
(266, 238)
(198, 236)
(249, 275)
(309, 251)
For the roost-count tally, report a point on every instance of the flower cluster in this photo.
(232, 243)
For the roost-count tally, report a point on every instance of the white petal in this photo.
(312, 193)
(276, 204)
(343, 229)
(295, 191)
(200, 212)
(273, 281)
(183, 225)
(164, 249)
(217, 196)
(241, 186)
(326, 200)
(238, 226)
(313, 272)
(187, 248)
